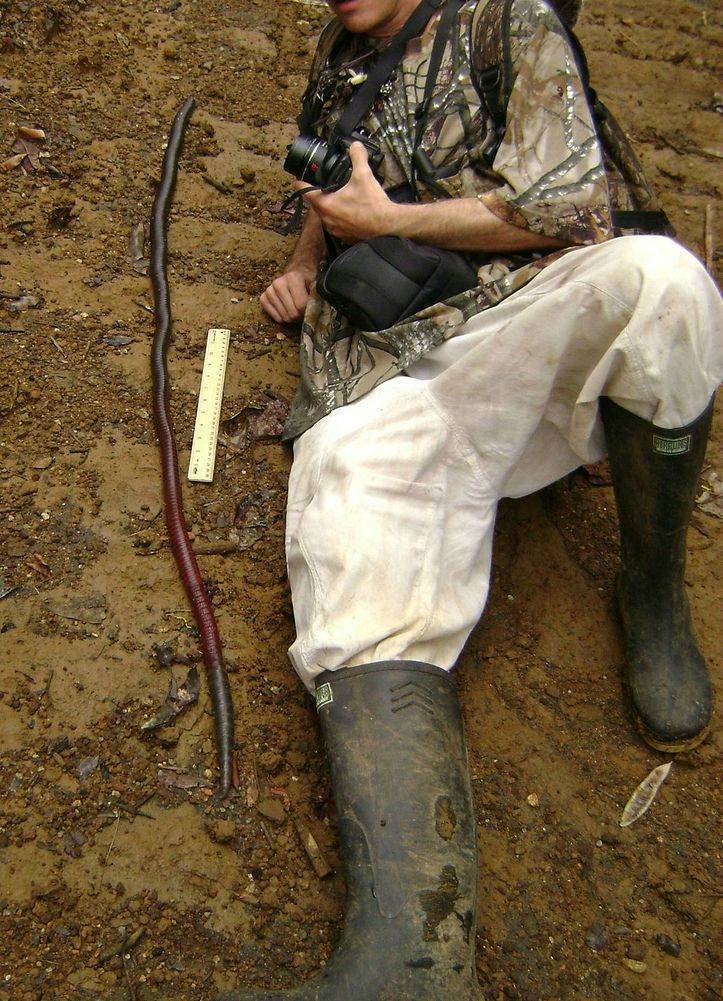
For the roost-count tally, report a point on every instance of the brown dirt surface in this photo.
(121, 874)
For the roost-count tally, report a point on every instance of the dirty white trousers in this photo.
(392, 499)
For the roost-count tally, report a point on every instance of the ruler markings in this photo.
(208, 412)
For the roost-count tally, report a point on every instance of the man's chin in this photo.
(353, 14)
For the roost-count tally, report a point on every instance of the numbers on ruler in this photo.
(208, 412)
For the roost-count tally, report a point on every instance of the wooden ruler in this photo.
(208, 414)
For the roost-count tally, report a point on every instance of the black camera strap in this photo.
(383, 68)
(378, 74)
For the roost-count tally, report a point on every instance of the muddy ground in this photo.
(121, 874)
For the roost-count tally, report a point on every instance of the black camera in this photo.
(328, 165)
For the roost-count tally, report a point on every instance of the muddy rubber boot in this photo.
(393, 733)
(655, 477)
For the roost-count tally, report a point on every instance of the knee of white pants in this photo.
(659, 266)
(673, 334)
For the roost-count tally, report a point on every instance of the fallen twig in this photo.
(218, 185)
(115, 831)
(123, 946)
(708, 235)
(58, 346)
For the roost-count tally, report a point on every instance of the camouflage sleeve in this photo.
(550, 158)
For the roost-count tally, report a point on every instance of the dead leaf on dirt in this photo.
(73, 841)
(710, 500)
(644, 795)
(90, 608)
(12, 162)
(118, 340)
(179, 698)
(270, 422)
(27, 132)
(30, 152)
(181, 780)
(38, 564)
(125, 945)
(136, 247)
(60, 216)
(166, 655)
(248, 513)
(272, 809)
(86, 767)
(44, 462)
(598, 474)
(136, 243)
(24, 302)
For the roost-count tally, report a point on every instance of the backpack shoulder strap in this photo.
(491, 63)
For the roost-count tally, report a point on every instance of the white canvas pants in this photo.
(392, 499)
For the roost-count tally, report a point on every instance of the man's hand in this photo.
(286, 297)
(358, 211)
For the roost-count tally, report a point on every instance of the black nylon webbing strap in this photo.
(435, 61)
(649, 220)
(380, 72)
(421, 165)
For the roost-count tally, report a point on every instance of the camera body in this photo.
(328, 165)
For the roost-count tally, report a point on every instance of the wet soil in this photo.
(121, 874)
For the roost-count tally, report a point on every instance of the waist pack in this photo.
(382, 281)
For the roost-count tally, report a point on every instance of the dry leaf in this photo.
(29, 133)
(181, 780)
(12, 162)
(644, 795)
(179, 698)
(710, 500)
(270, 422)
(38, 564)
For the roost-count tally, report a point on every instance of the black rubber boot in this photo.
(393, 733)
(655, 476)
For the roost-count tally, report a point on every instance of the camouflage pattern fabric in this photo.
(547, 176)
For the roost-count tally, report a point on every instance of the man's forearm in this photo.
(310, 249)
(464, 224)
(362, 209)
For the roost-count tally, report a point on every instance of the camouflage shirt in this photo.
(547, 175)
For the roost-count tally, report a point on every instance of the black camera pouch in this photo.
(380, 282)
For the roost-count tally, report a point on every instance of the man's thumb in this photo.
(358, 157)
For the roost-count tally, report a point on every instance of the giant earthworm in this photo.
(175, 520)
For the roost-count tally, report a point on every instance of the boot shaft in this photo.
(655, 477)
(394, 736)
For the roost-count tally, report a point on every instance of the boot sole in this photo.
(670, 747)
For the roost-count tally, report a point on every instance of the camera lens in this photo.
(305, 159)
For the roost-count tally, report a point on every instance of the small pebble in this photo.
(667, 944)
(635, 965)
(597, 938)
